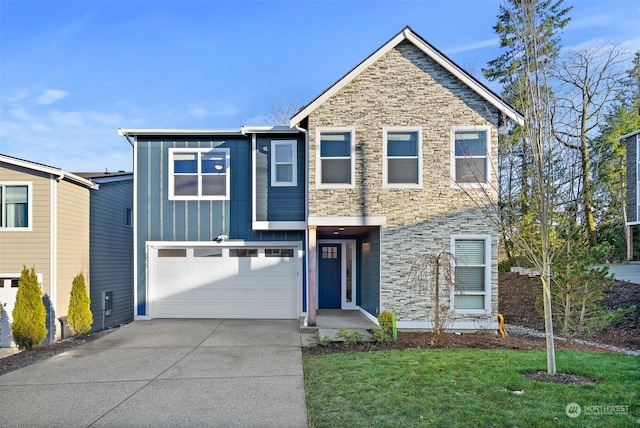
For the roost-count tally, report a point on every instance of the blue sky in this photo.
(73, 72)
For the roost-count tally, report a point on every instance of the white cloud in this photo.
(50, 96)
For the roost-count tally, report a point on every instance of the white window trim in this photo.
(319, 184)
(29, 228)
(487, 274)
(200, 151)
(452, 161)
(294, 163)
(385, 163)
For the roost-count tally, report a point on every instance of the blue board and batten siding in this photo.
(280, 203)
(111, 251)
(161, 219)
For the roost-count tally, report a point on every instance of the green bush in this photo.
(386, 321)
(350, 336)
(79, 315)
(381, 335)
(29, 314)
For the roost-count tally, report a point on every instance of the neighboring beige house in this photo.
(44, 224)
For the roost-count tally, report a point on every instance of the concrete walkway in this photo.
(629, 272)
(166, 373)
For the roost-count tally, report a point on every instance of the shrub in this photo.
(386, 321)
(29, 314)
(350, 336)
(79, 315)
(381, 335)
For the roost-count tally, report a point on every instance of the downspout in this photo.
(306, 213)
(135, 231)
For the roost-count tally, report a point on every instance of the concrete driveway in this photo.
(166, 373)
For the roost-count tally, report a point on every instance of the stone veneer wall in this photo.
(405, 88)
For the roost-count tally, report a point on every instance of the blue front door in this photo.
(329, 275)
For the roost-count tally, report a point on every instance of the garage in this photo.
(224, 281)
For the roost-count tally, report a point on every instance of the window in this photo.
(471, 155)
(283, 162)
(172, 252)
(278, 252)
(335, 157)
(402, 157)
(14, 206)
(128, 217)
(199, 174)
(472, 275)
(207, 252)
(243, 252)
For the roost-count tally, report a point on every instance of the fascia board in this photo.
(59, 173)
(126, 132)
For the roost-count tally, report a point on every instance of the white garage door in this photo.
(224, 282)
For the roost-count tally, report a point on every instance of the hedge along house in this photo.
(332, 211)
(44, 223)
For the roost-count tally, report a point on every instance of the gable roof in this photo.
(409, 35)
(59, 173)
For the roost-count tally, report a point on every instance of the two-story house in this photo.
(44, 224)
(331, 211)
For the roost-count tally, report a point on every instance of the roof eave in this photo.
(408, 34)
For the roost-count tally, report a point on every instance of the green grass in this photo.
(467, 388)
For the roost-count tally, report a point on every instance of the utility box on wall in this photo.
(107, 302)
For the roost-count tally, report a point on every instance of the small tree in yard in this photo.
(79, 315)
(433, 277)
(29, 314)
(579, 290)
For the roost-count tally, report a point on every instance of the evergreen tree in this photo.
(79, 314)
(29, 314)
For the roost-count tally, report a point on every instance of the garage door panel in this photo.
(224, 287)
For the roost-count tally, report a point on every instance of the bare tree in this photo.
(586, 83)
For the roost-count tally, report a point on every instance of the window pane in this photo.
(278, 252)
(471, 170)
(402, 171)
(336, 171)
(469, 278)
(185, 163)
(243, 252)
(284, 153)
(335, 144)
(207, 252)
(284, 173)
(402, 144)
(185, 185)
(470, 252)
(16, 206)
(172, 252)
(468, 302)
(470, 143)
(214, 185)
(213, 163)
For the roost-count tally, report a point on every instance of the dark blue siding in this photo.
(279, 203)
(368, 297)
(161, 219)
(111, 252)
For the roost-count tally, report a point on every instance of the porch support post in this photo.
(629, 243)
(313, 263)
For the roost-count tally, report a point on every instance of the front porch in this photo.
(330, 321)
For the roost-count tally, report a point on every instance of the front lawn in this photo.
(468, 388)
